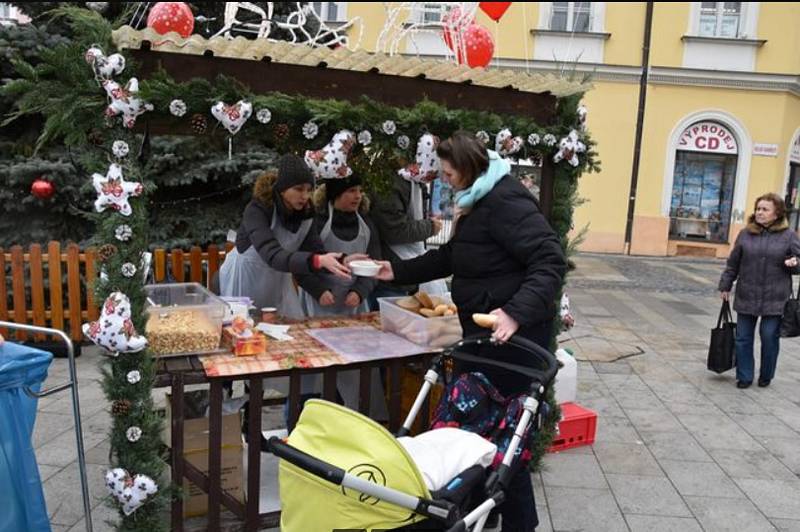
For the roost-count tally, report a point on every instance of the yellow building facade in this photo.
(721, 120)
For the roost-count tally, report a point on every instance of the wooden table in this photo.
(177, 372)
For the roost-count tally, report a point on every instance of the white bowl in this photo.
(365, 268)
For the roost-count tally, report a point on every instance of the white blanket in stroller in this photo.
(442, 454)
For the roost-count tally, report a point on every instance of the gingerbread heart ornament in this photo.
(104, 67)
(232, 117)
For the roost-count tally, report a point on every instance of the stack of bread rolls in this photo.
(440, 329)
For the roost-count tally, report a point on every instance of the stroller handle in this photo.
(541, 376)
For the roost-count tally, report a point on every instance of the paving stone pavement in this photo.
(678, 448)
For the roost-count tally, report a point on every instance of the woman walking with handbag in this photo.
(762, 262)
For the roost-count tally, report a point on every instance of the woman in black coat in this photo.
(505, 260)
(762, 262)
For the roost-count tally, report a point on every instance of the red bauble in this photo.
(479, 47)
(165, 17)
(494, 10)
(42, 189)
(454, 22)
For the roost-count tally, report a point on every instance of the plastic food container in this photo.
(183, 318)
(365, 268)
(240, 345)
(428, 332)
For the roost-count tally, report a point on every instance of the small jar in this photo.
(269, 315)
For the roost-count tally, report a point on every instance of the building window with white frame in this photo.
(330, 11)
(720, 19)
(571, 16)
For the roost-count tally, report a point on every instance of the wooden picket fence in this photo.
(33, 288)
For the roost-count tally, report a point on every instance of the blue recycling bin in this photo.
(22, 505)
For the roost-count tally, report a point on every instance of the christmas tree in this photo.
(189, 173)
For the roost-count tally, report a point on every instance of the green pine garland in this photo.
(61, 88)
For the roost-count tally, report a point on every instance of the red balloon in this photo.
(454, 21)
(165, 17)
(479, 47)
(495, 10)
(42, 189)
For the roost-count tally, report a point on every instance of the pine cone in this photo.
(106, 251)
(121, 407)
(281, 133)
(95, 137)
(199, 124)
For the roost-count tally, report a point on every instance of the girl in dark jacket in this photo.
(762, 262)
(505, 260)
(276, 239)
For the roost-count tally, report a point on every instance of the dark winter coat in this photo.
(763, 282)
(503, 254)
(255, 231)
(395, 225)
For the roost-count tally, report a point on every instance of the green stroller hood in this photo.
(361, 447)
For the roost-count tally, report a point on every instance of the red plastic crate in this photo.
(577, 427)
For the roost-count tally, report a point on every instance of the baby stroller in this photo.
(340, 470)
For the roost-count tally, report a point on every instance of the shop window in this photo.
(703, 184)
(793, 185)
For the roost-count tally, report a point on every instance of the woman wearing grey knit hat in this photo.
(276, 240)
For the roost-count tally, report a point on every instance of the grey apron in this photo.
(347, 382)
(246, 274)
(339, 287)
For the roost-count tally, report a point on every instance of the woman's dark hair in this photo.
(777, 201)
(466, 154)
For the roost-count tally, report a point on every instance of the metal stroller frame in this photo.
(443, 511)
(76, 410)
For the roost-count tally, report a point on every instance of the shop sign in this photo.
(765, 150)
(794, 153)
(708, 137)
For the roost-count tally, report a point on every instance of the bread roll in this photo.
(424, 299)
(440, 310)
(409, 303)
(436, 301)
(428, 313)
(487, 321)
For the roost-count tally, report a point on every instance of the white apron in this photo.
(246, 274)
(437, 287)
(347, 382)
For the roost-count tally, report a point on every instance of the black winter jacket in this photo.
(503, 254)
(255, 231)
(395, 225)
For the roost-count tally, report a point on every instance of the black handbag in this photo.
(721, 351)
(790, 322)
